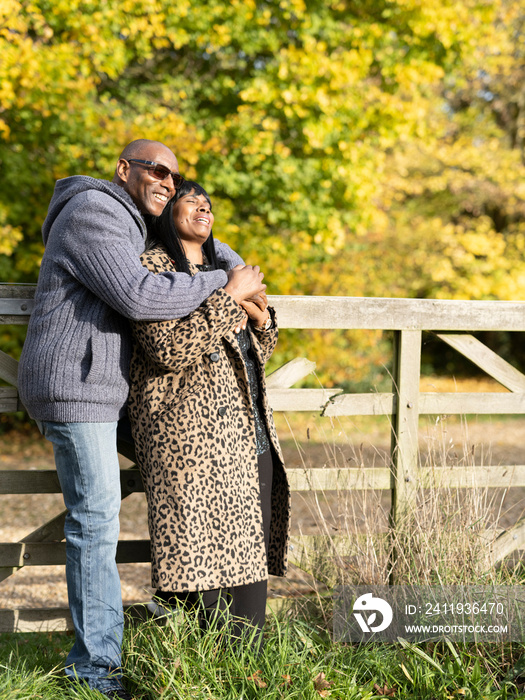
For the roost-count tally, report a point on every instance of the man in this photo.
(73, 373)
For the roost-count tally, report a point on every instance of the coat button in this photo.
(222, 411)
(214, 357)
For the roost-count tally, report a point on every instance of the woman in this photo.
(213, 472)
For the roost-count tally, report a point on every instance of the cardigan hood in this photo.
(69, 187)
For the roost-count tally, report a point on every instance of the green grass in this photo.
(299, 661)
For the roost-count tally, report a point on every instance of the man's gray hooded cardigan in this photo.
(74, 365)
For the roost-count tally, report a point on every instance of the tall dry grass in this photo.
(446, 533)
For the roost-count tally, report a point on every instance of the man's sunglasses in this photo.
(158, 171)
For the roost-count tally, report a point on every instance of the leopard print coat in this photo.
(192, 421)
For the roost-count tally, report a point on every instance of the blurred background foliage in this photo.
(351, 147)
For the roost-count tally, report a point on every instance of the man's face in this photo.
(148, 192)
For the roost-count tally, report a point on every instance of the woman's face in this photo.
(193, 218)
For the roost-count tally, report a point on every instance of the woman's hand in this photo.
(257, 309)
(246, 287)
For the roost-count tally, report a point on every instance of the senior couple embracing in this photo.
(139, 310)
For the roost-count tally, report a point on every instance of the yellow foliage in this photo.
(347, 146)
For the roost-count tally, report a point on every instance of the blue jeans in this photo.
(88, 469)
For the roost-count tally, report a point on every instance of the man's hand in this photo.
(245, 282)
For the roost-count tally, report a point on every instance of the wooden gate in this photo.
(451, 321)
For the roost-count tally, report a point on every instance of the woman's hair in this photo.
(162, 229)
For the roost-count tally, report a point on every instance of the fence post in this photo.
(404, 442)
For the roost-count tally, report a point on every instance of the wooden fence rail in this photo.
(450, 321)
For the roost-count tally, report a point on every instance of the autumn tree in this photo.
(332, 136)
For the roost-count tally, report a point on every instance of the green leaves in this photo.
(336, 138)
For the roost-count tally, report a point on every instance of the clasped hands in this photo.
(245, 285)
